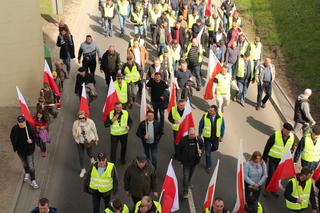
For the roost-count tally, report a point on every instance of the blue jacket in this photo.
(51, 210)
(213, 124)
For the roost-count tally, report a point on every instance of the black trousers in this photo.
(96, 197)
(90, 65)
(114, 145)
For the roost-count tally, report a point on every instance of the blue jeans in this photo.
(28, 164)
(267, 87)
(122, 20)
(158, 107)
(243, 88)
(232, 69)
(310, 165)
(138, 30)
(145, 25)
(160, 48)
(210, 145)
(67, 62)
(153, 149)
(225, 22)
(108, 26)
(195, 69)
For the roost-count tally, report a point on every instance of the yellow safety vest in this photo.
(108, 11)
(200, 52)
(224, 83)
(298, 191)
(132, 76)
(214, 24)
(153, 16)
(103, 183)
(231, 22)
(123, 7)
(138, 18)
(255, 50)
(244, 48)
(192, 20)
(125, 209)
(260, 208)
(171, 20)
(278, 148)
(122, 92)
(206, 132)
(311, 152)
(163, 7)
(156, 203)
(175, 116)
(117, 128)
(241, 68)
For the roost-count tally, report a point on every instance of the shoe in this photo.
(208, 170)
(242, 104)
(185, 195)
(110, 35)
(263, 106)
(34, 184)
(234, 98)
(92, 160)
(121, 35)
(198, 89)
(44, 154)
(257, 108)
(26, 177)
(275, 194)
(191, 186)
(83, 171)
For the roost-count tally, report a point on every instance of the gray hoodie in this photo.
(302, 110)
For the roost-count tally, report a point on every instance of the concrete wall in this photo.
(21, 51)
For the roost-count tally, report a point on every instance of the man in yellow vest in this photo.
(174, 117)
(299, 192)
(309, 149)
(123, 9)
(217, 206)
(243, 44)
(121, 87)
(119, 122)
(108, 16)
(116, 206)
(222, 88)
(256, 52)
(137, 19)
(214, 24)
(211, 127)
(147, 205)
(275, 148)
(101, 181)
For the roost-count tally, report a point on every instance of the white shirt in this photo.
(136, 52)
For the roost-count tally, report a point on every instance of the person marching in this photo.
(146, 205)
(116, 206)
(121, 87)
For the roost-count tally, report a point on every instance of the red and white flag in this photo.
(187, 122)
(143, 106)
(200, 35)
(112, 98)
(208, 9)
(169, 35)
(24, 108)
(284, 170)
(316, 173)
(214, 68)
(240, 202)
(84, 104)
(173, 97)
(211, 188)
(170, 192)
(48, 78)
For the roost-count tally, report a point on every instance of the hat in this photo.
(82, 69)
(101, 156)
(141, 158)
(288, 126)
(316, 130)
(119, 75)
(21, 118)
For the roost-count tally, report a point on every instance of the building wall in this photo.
(21, 51)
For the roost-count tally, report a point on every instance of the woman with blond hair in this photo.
(85, 134)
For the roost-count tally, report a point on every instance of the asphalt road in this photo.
(61, 182)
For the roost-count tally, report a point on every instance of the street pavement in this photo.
(59, 176)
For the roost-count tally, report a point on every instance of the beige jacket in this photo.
(90, 131)
(144, 55)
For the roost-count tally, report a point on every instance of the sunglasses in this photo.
(82, 118)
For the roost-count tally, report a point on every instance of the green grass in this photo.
(294, 27)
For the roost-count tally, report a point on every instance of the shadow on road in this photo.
(260, 126)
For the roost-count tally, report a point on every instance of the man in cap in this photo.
(140, 179)
(101, 181)
(122, 90)
(22, 137)
(110, 63)
(276, 147)
(82, 77)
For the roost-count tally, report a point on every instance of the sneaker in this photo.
(185, 195)
(92, 160)
(257, 108)
(83, 171)
(263, 106)
(44, 154)
(26, 177)
(34, 184)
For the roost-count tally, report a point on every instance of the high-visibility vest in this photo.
(175, 116)
(224, 83)
(125, 209)
(176, 53)
(192, 20)
(138, 18)
(171, 20)
(244, 48)
(302, 193)
(214, 24)
(255, 50)
(231, 22)
(103, 183)
(123, 7)
(108, 11)
(278, 148)
(133, 75)
(206, 132)
(260, 208)
(241, 68)
(311, 151)
(200, 52)
(122, 92)
(153, 16)
(156, 203)
(117, 128)
(163, 7)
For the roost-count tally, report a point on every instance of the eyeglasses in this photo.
(82, 118)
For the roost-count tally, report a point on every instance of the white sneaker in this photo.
(83, 171)
(26, 177)
(34, 184)
(92, 160)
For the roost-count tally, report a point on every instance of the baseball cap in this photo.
(288, 126)
(141, 158)
(21, 118)
(101, 156)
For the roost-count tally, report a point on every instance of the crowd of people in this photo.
(182, 33)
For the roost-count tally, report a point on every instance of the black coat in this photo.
(158, 131)
(18, 137)
(88, 78)
(66, 45)
(105, 64)
(183, 39)
(188, 150)
(162, 71)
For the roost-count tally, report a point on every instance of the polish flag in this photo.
(240, 202)
(214, 68)
(172, 98)
(48, 78)
(24, 108)
(211, 189)
(316, 173)
(200, 35)
(112, 98)
(284, 170)
(208, 9)
(170, 196)
(84, 105)
(187, 122)
(143, 105)
(169, 35)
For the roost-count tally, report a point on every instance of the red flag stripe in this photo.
(184, 126)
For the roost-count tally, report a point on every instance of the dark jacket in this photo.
(182, 38)
(66, 45)
(162, 70)
(106, 64)
(51, 210)
(18, 137)
(196, 29)
(156, 35)
(139, 182)
(88, 78)
(188, 150)
(157, 90)
(302, 110)
(157, 129)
